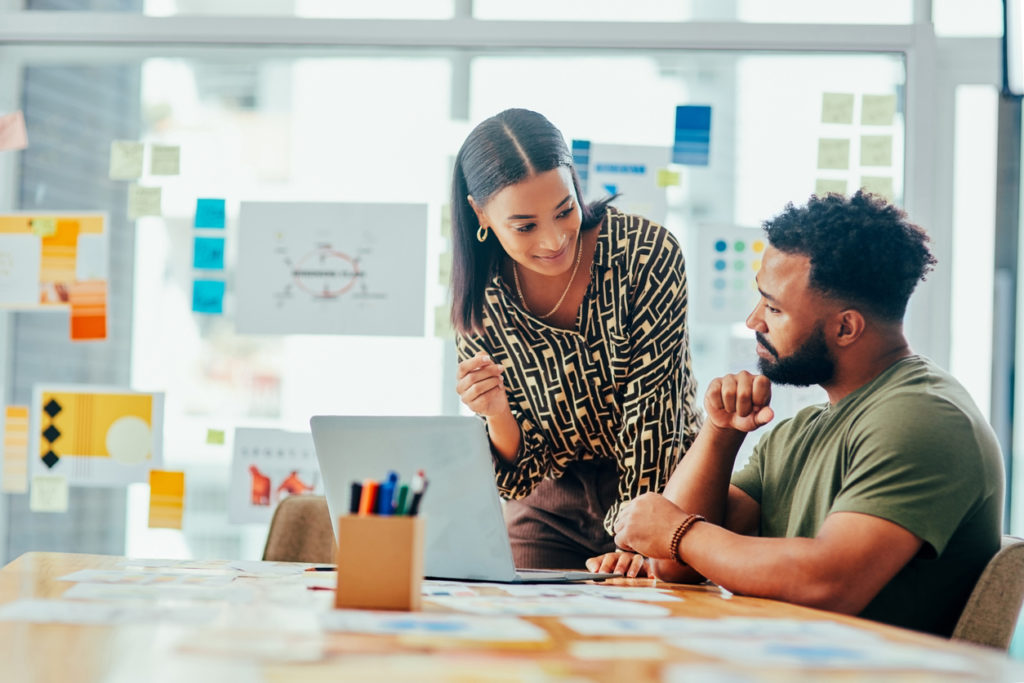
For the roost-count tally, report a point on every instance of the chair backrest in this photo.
(991, 612)
(300, 531)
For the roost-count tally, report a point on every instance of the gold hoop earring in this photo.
(481, 234)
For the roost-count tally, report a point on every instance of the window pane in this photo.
(975, 18)
(321, 9)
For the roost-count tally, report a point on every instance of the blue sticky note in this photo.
(208, 253)
(208, 296)
(209, 213)
(581, 160)
(692, 144)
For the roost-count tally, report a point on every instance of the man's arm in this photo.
(842, 569)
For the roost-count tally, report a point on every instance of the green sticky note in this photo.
(442, 322)
(125, 159)
(837, 107)
(165, 160)
(876, 150)
(215, 436)
(877, 110)
(43, 227)
(880, 185)
(823, 186)
(669, 178)
(446, 220)
(834, 153)
(444, 268)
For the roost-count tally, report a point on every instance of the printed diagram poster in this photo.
(329, 268)
(728, 258)
(269, 465)
(630, 170)
(43, 256)
(96, 436)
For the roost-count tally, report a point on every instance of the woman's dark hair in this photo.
(501, 151)
(862, 250)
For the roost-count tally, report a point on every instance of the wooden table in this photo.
(149, 652)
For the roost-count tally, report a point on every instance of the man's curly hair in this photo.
(862, 250)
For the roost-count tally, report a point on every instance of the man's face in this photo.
(788, 323)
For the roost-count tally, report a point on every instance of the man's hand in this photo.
(739, 402)
(627, 564)
(645, 525)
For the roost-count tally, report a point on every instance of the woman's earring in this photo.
(481, 234)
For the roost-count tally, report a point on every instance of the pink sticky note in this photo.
(12, 131)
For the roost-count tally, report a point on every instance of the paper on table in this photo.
(451, 588)
(147, 578)
(577, 605)
(73, 612)
(595, 590)
(729, 626)
(630, 649)
(157, 592)
(501, 629)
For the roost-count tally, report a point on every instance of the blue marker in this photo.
(386, 497)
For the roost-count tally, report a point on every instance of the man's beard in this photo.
(812, 363)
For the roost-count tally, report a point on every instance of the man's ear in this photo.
(849, 325)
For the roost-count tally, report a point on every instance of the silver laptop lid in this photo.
(465, 530)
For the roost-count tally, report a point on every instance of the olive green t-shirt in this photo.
(910, 447)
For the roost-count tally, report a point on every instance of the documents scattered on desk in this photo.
(238, 567)
(728, 626)
(145, 578)
(570, 605)
(641, 593)
(494, 629)
(72, 612)
(631, 649)
(160, 592)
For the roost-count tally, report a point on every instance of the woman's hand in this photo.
(481, 386)
(618, 562)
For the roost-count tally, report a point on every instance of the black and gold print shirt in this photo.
(618, 386)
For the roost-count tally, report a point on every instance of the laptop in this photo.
(466, 537)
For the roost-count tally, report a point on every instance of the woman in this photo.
(570, 323)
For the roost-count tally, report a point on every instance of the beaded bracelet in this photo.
(677, 535)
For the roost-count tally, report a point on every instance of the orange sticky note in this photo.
(12, 131)
(166, 499)
(15, 456)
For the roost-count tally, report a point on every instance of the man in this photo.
(885, 502)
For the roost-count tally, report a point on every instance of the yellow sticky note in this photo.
(822, 186)
(442, 322)
(164, 159)
(880, 185)
(877, 110)
(669, 178)
(125, 159)
(876, 150)
(49, 494)
(834, 153)
(837, 107)
(446, 220)
(166, 499)
(15, 455)
(215, 436)
(43, 227)
(143, 201)
(444, 268)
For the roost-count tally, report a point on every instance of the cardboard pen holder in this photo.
(380, 562)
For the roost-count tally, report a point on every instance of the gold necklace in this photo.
(519, 288)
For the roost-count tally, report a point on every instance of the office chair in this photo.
(990, 616)
(300, 531)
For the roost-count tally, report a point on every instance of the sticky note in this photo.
(609, 649)
(125, 159)
(166, 499)
(209, 213)
(88, 310)
(877, 110)
(833, 153)
(208, 253)
(669, 178)
(876, 150)
(143, 201)
(880, 185)
(822, 186)
(49, 493)
(443, 322)
(43, 227)
(15, 455)
(215, 437)
(444, 274)
(446, 220)
(692, 142)
(12, 131)
(208, 296)
(837, 107)
(164, 159)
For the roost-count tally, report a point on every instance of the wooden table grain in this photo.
(64, 653)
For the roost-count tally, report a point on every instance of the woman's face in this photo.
(537, 221)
